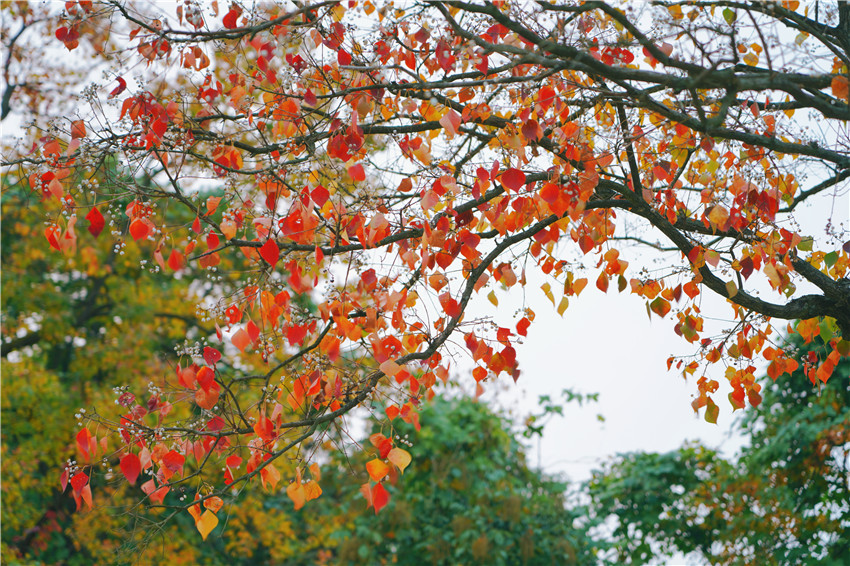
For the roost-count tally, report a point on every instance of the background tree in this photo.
(783, 499)
(339, 180)
(88, 331)
(472, 499)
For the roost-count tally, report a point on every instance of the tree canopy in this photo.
(337, 182)
(784, 499)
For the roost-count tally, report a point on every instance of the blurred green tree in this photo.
(785, 499)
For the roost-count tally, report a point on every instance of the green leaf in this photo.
(711, 412)
(729, 15)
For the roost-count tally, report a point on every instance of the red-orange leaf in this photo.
(602, 282)
(131, 467)
(270, 252)
(380, 497)
(139, 228)
(96, 222)
(176, 260)
(211, 355)
(513, 179)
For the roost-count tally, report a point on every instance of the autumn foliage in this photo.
(340, 181)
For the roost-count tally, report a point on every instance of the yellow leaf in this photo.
(377, 469)
(401, 458)
(731, 289)
(492, 298)
(547, 290)
(206, 523)
(565, 302)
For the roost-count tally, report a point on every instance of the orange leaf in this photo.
(602, 282)
(240, 339)
(206, 523)
(390, 368)
(377, 469)
(207, 398)
(139, 228)
(297, 494)
(270, 475)
(78, 129)
(213, 504)
(840, 87)
(312, 490)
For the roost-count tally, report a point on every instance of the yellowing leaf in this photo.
(492, 298)
(731, 289)
(562, 306)
(547, 290)
(401, 458)
(206, 523)
(377, 469)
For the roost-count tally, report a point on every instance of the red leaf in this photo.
(176, 260)
(270, 252)
(357, 173)
(96, 222)
(513, 179)
(295, 333)
(131, 467)
(450, 306)
(52, 234)
(84, 443)
(380, 497)
(522, 326)
(310, 98)
(205, 377)
(122, 84)
(230, 17)
(79, 481)
(211, 355)
(320, 196)
(139, 229)
(78, 129)
(173, 461)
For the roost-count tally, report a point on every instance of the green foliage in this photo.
(470, 499)
(785, 498)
